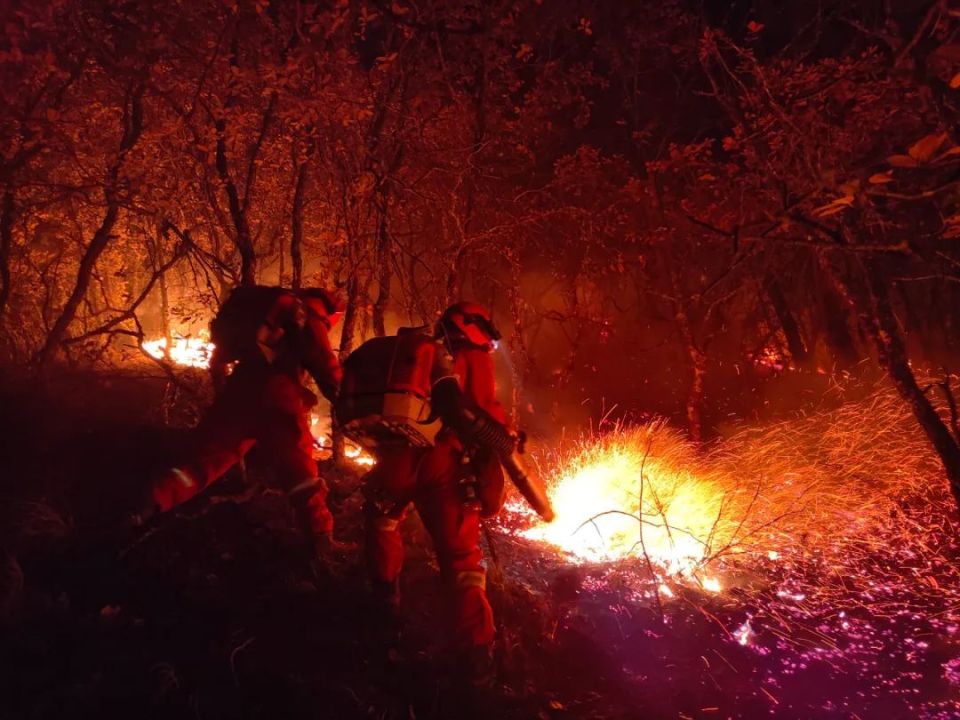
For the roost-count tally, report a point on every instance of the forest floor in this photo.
(216, 611)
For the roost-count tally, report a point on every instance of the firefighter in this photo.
(266, 340)
(452, 484)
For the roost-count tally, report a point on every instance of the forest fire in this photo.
(636, 492)
(645, 492)
(186, 351)
(828, 546)
(720, 240)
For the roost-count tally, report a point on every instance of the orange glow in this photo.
(320, 427)
(606, 485)
(185, 351)
(196, 352)
(770, 494)
(358, 456)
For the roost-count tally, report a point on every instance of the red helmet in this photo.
(324, 303)
(469, 323)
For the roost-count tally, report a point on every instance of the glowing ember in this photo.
(186, 351)
(771, 358)
(744, 634)
(951, 671)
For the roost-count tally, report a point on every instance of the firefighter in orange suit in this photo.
(451, 486)
(266, 340)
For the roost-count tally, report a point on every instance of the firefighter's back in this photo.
(385, 395)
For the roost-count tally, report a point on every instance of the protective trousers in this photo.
(429, 478)
(270, 410)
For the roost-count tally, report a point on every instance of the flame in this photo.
(358, 456)
(636, 493)
(321, 429)
(187, 351)
(771, 495)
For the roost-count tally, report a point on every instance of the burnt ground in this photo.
(216, 611)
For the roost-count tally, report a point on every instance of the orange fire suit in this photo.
(263, 402)
(429, 478)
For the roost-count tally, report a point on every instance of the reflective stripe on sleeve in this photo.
(307, 489)
(184, 477)
(470, 578)
(386, 524)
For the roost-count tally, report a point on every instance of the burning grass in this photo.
(638, 491)
(827, 545)
(820, 484)
(836, 597)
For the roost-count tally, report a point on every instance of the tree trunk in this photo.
(698, 374)
(698, 362)
(242, 239)
(455, 276)
(84, 274)
(383, 268)
(839, 339)
(351, 316)
(788, 323)
(880, 326)
(165, 313)
(518, 352)
(884, 331)
(6, 248)
(296, 228)
(695, 355)
(133, 127)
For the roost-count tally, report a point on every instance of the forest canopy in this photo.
(726, 189)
